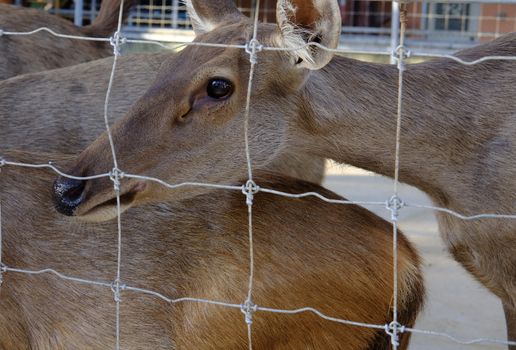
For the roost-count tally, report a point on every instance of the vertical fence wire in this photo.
(395, 203)
(250, 186)
(116, 173)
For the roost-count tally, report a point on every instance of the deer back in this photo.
(42, 51)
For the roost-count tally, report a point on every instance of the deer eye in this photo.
(219, 88)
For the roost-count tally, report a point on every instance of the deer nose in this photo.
(68, 194)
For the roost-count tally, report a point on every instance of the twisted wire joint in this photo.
(3, 269)
(252, 48)
(116, 287)
(250, 189)
(400, 54)
(393, 329)
(116, 41)
(116, 175)
(248, 308)
(394, 204)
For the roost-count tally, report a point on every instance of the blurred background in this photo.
(371, 26)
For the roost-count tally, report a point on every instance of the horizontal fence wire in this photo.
(174, 45)
(385, 203)
(393, 204)
(300, 310)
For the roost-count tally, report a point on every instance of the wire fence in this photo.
(393, 204)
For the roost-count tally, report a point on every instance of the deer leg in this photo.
(510, 321)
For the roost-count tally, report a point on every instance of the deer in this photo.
(335, 258)
(39, 52)
(457, 132)
(61, 111)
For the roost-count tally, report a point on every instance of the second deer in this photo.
(335, 258)
(41, 51)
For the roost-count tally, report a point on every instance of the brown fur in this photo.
(62, 110)
(336, 258)
(42, 51)
(457, 143)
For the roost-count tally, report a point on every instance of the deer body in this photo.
(459, 152)
(42, 51)
(336, 258)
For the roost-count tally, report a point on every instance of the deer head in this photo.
(181, 128)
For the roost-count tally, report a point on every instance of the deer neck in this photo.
(349, 112)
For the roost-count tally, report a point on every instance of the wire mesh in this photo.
(393, 204)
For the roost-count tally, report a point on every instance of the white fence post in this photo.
(175, 13)
(93, 10)
(78, 12)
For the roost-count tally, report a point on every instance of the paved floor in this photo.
(456, 304)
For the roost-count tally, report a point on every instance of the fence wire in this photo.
(393, 204)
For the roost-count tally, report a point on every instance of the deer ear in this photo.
(207, 15)
(304, 21)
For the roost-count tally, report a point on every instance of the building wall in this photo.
(497, 18)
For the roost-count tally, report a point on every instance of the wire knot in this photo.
(116, 287)
(250, 189)
(248, 308)
(393, 329)
(400, 54)
(115, 175)
(1, 32)
(252, 48)
(116, 41)
(2, 162)
(394, 204)
(3, 269)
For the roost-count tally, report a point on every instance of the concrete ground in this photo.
(456, 304)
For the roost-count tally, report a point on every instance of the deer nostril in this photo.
(68, 194)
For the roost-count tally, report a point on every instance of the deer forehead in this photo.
(195, 64)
